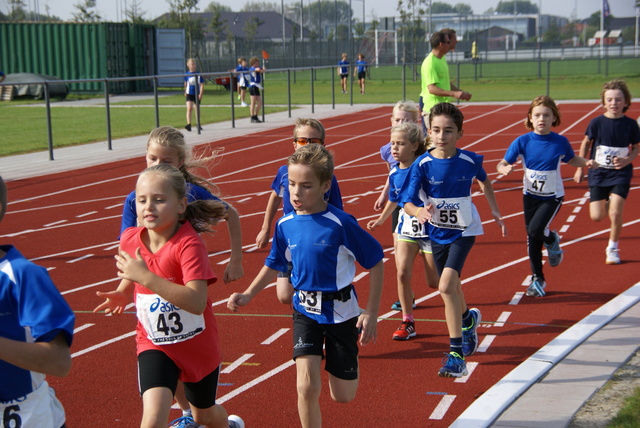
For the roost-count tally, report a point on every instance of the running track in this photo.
(69, 222)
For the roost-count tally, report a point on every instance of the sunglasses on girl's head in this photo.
(302, 141)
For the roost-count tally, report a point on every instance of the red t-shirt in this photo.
(191, 341)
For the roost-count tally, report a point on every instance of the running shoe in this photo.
(235, 421)
(536, 288)
(613, 256)
(188, 127)
(398, 307)
(470, 334)
(184, 422)
(406, 331)
(453, 365)
(554, 251)
(243, 104)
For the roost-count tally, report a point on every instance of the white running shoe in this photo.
(235, 421)
(613, 256)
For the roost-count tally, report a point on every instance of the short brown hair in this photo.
(545, 101)
(621, 86)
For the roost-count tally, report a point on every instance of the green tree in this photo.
(463, 9)
(439, 7)
(256, 6)
(217, 7)
(181, 16)
(86, 12)
(521, 6)
(17, 11)
(134, 13)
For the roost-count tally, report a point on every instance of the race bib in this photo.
(311, 301)
(605, 155)
(451, 213)
(164, 322)
(540, 183)
(410, 226)
(39, 409)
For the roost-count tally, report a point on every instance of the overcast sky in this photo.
(112, 10)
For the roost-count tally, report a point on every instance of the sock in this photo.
(455, 345)
(407, 318)
(466, 319)
(187, 413)
(612, 245)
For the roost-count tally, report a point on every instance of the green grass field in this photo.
(24, 125)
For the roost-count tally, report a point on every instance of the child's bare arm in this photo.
(234, 269)
(368, 320)
(270, 213)
(53, 358)
(585, 146)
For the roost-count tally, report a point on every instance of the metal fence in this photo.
(400, 77)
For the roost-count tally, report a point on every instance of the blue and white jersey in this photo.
(541, 156)
(31, 310)
(190, 87)
(255, 77)
(343, 66)
(243, 75)
(407, 225)
(323, 249)
(280, 185)
(446, 184)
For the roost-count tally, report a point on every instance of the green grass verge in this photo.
(25, 130)
(629, 415)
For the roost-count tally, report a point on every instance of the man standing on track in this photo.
(436, 83)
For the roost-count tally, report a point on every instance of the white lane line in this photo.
(486, 342)
(502, 319)
(103, 344)
(275, 336)
(237, 363)
(442, 407)
(86, 256)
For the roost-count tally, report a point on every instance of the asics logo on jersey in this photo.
(434, 182)
(444, 205)
(163, 306)
(535, 176)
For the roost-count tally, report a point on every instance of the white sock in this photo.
(187, 413)
(613, 245)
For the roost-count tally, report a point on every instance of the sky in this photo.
(112, 10)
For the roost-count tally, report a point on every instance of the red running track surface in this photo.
(69, 223)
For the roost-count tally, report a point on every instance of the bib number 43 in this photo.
(163, 324)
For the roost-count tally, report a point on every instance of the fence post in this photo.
(333, 89)
(313, 108)
(404, 81)
(155, 97)
(108, 112)
(548, 76)
(197, 103)
(233, 110)
(47, 98)
(289, 90)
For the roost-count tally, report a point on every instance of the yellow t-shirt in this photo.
(434, 70)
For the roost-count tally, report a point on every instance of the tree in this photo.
(86, 12)
(180, 16)
(438, 7)
(217, 7)
(255, 6)
(134, 13)
(17, 11)
(521, 6)
(463, 9)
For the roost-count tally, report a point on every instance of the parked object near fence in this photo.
(25, 85)
(76, 51)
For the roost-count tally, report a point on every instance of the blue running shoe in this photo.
(183, 422)
(553, 250)
(453, 365)
(470, 334)
(536, 288)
